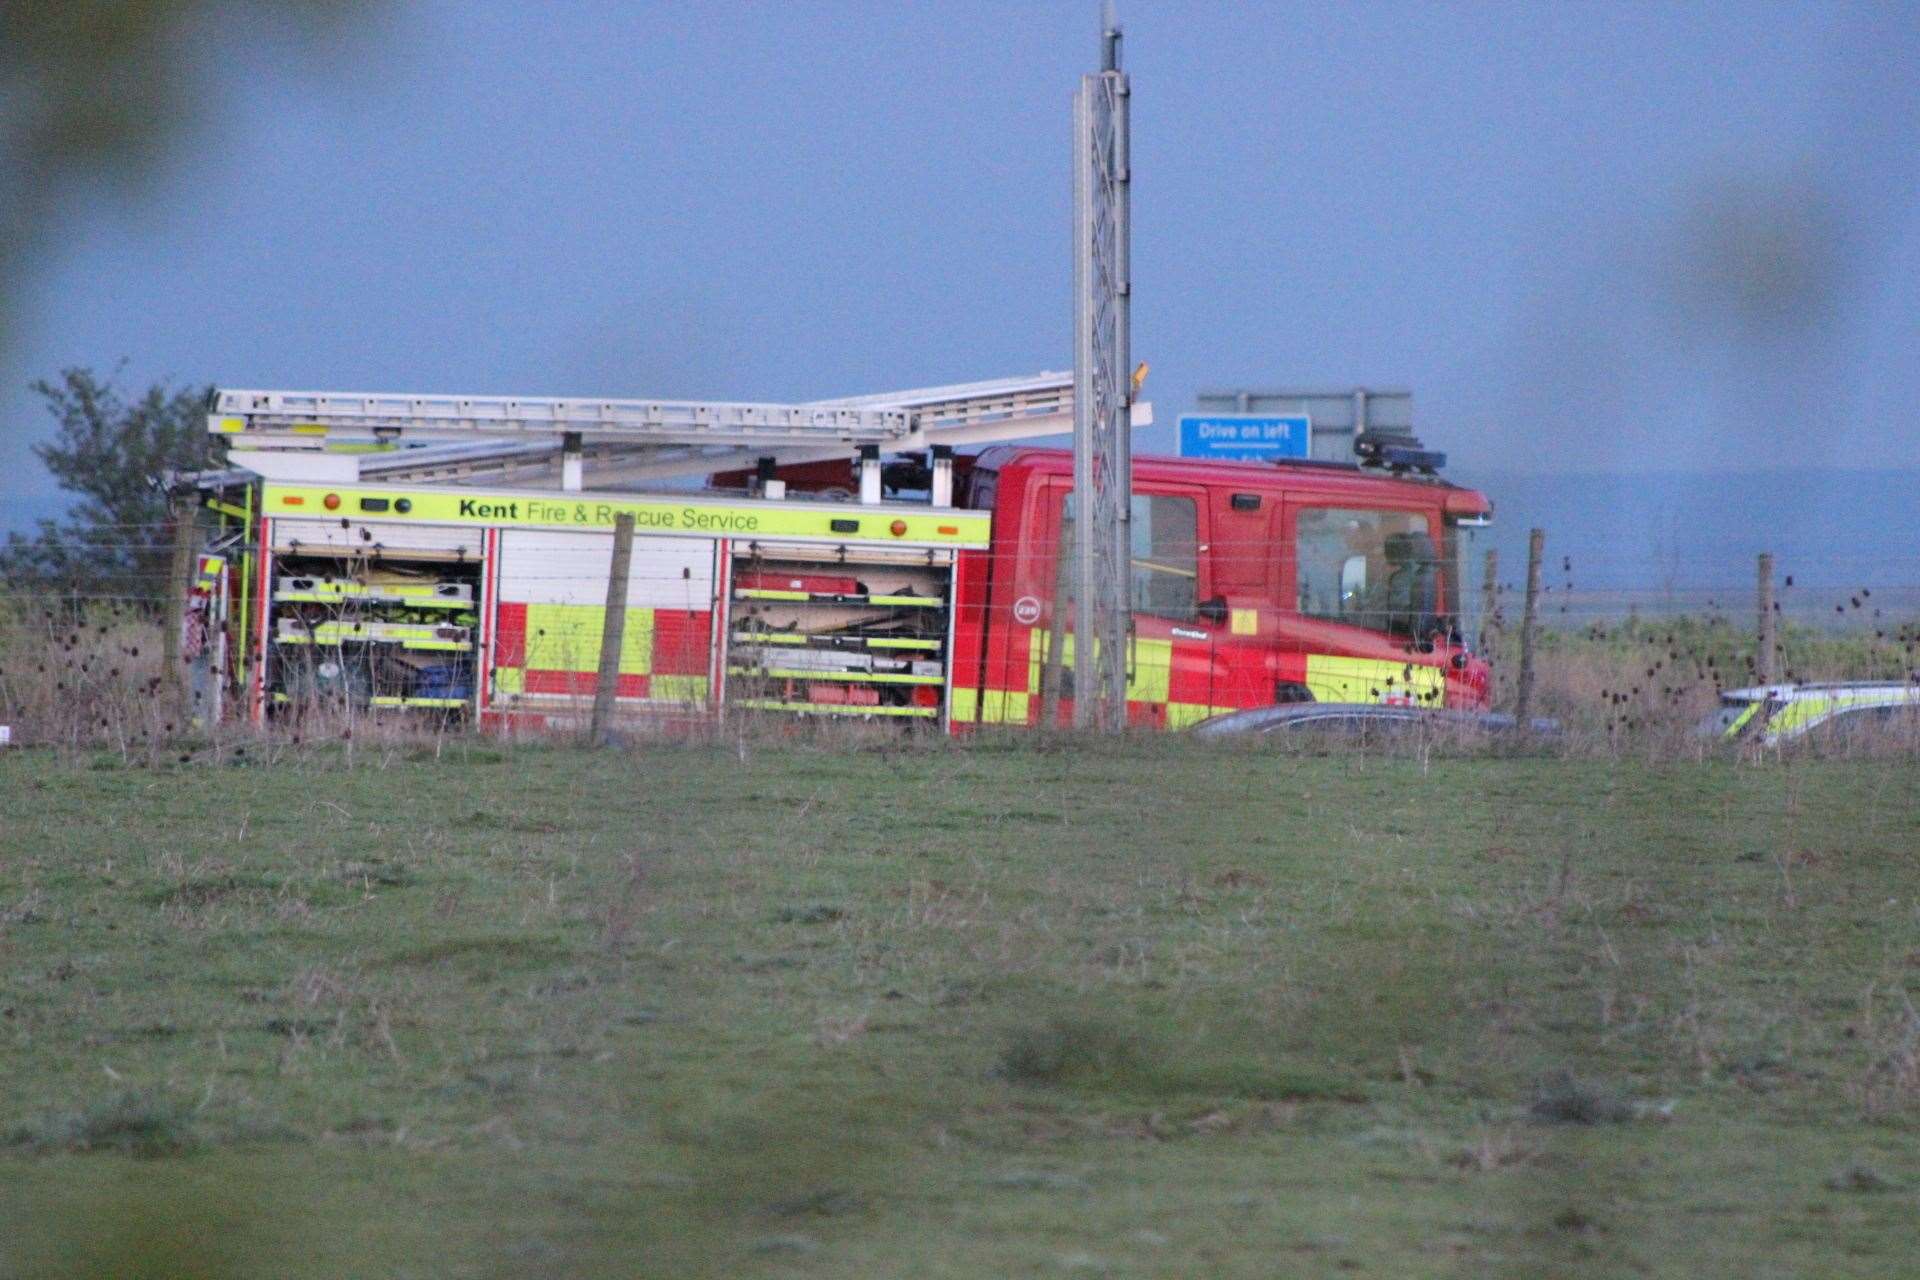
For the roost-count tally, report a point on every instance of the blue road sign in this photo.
(1245, 435)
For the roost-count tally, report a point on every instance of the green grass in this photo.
(1015, 1009)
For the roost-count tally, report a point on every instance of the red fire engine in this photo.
(468, 576)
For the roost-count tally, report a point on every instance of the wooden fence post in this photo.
(1536, 547)
(1764, 652)
(1490, 604)
(613, 629)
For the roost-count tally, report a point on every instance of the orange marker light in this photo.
(951, 530)
(294, 500)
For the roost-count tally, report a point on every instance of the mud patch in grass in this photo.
(491, 951)
(207, 890)
(132, 1123)
(1111, 1057)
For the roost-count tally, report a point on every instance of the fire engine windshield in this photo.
(1372, 569)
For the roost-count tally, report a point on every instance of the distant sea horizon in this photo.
(1683, 533)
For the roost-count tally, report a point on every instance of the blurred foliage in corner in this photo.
(100, 90)
(112, 453)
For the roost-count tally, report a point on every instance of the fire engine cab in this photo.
(451, 556)
(1252, 583)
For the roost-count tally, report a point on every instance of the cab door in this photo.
(1238, 615)
(1170, 652)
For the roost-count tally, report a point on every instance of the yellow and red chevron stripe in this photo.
(555, 649)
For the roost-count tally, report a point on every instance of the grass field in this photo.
(1149, 1009)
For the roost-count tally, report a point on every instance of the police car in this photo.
(1777, 713)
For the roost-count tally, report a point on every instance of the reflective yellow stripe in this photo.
(798, 638)
(766, 593)
(438, 646)
(1331, 678)
(390, 631)
(1245, 622)
(949, 527)
(1182, 714)
(861, 677)
(1037, 643)
(566, 637)
(993, 706)
(512, 682)
(834, 708)
(677, 689)
(1004, 707)
(335, 589)
(1152, 671)
(1797, 712)
(421, 636)
(1800, 713)
(1149, 680)
(322, 597)
(1733, 730)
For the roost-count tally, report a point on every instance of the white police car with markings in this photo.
(1777, 713)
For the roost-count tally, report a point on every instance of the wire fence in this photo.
(79, 663)
(1836, 591)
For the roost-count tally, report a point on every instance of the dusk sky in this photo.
(1589, 237)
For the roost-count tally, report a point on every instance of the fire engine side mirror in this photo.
(1213, 611)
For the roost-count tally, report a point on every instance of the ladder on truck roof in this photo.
(311, 435)
(967, 413)
(305, 419)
